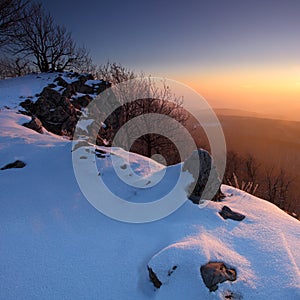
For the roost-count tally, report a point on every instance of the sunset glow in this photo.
(238, 54)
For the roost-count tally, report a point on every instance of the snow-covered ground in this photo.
(55, 245)
(15, 90)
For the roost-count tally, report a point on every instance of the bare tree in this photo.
(233, 167)
(11, 15)
(138, 107)
(242, 172)
(252, 167)
(51, 45)
(13, 67)
(272, 184)
(114, 73)
(277, 186)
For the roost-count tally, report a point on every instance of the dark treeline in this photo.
(273, 184)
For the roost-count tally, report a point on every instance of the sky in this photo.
(237, 54)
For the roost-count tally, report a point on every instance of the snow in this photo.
(69, 79)
(78, 95)
(55, 245)
(16, 90)
(262, 249)
(93, 82)
(85, 123)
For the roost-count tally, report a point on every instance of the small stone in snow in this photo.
(227, 213)
(16, 164)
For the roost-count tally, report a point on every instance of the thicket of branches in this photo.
(154, 110)
(31, 40)
(270, 183)
(11, 16)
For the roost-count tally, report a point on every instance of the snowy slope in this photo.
(16, 90)
(55, 245)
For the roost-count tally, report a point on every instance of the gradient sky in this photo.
(237, 54)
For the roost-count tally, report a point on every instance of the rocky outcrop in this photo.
(59, 105)
(200, 165)
(16, 164)
(227, 213)
(35, 124)
(214, 273)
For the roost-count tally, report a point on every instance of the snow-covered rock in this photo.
(206, 184)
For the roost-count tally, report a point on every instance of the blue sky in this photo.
(189, 40)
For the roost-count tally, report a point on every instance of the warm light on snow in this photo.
(55, 245)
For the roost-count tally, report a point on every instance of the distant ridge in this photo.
(250, 114)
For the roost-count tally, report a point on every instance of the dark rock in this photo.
(61, 82)
(80, 87)
(232, 295)
(201, 174)
(35, 124)
(55, 110)
(69, 91)
(15, 164)
(51, 95)
(100, 151)
(170, 272)
(227, 213)
(25, 113)
(82, 101)
(27, 105)
(216, 272)
(157, 283)
(69, 125)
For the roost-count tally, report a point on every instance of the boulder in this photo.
(214, 273)
(16, 164)
(227, 213)
(35, 124)
(200, 165)
(51, 95)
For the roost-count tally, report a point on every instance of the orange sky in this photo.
(273, 91)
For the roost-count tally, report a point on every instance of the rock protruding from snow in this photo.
(35, 124)
(227, 213)
(16, 164)
(214, 273)
(153, 277)
(200, 165)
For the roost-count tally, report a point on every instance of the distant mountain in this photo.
(240, 113)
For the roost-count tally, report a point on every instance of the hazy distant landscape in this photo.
(272, 142)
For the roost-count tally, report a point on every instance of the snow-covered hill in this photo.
(55, 245)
